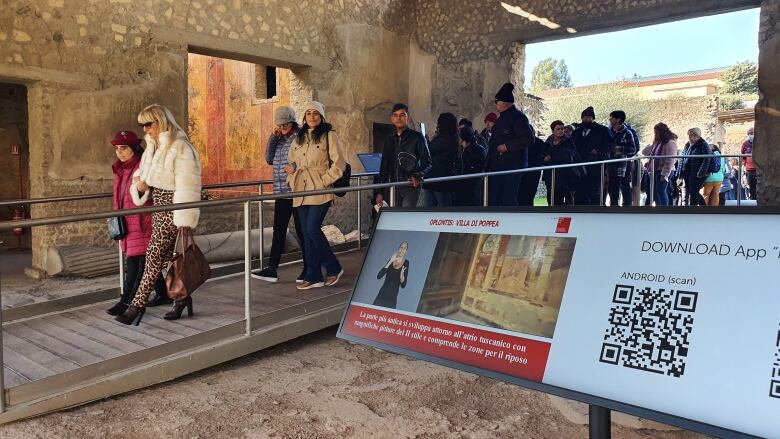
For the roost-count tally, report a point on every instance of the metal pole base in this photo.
(600, 422)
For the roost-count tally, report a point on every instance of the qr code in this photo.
(649, 329)
(774, 387)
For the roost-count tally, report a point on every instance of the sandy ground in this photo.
(319, 387)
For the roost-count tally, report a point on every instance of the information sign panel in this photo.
(673, 317)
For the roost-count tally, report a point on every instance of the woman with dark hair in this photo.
(664, 144)
(315, 162)
(444, 159)
(396, 273)
(560, 150)
(127, 147)
(472, 161)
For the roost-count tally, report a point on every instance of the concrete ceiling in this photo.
(535, 21)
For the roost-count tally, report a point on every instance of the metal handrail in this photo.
(8, 225)
(246, 201)
(21, 201)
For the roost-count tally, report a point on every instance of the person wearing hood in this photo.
(511, 138)
(593, 144)
(315, 162)
(170, 173)
(128, 151)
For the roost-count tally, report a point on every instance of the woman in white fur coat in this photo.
(170, 173)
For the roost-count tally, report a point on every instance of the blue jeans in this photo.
(436, 198)
(661, 192)
(318, 252)
(502, 190)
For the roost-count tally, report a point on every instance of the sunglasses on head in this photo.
(147, 124)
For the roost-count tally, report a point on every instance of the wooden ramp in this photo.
(63, 359)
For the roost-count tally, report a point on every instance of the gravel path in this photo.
(319, 387)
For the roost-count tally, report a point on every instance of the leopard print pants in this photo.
(160, 247)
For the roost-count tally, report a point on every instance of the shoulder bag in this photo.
(117, 225)
(343, 181)
(189, 268)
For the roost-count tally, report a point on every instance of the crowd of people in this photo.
(308, 156)
(167, 170)
(510, 142)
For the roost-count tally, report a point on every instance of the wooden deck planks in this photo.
(56, 343)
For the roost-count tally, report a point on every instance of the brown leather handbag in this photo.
(189, 268)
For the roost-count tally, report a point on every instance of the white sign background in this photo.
(729, 365)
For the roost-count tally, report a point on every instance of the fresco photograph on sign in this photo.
(511, 282)
(395, 269)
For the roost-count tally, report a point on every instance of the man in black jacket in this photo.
(593, 144)
(405, 157)
(511, 137)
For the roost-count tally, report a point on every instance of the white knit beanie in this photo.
(314, 105)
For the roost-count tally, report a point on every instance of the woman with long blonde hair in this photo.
(169, 173)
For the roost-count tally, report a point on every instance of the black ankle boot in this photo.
(158, 300)
(131, 316)
(117, 309)
(178, 308)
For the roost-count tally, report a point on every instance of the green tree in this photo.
(603, 98)
(549, 74)
(740, 78)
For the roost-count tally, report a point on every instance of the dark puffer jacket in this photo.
(512, 129)
(444, 161)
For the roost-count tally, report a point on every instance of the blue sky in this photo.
(699, 43)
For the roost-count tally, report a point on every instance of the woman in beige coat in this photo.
(315, 162)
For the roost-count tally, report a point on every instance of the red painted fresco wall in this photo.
(227, 122)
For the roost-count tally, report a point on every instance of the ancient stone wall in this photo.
(767, 115)
(681, 114)
(92, 65)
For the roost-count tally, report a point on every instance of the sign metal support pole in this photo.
(600, 422)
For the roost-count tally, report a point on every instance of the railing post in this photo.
(637, 198)
(360, 233)
(392, 196)
(121, 269)
(248, 266)
(651, 182)
(485, 191)
(601, 186)
(739, 183)
(552, 188)
(2, 358)
(260, 222)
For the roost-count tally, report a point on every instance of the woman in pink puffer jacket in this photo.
(128, 151)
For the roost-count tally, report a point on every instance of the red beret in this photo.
(128, 138)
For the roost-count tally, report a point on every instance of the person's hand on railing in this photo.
(414, 181)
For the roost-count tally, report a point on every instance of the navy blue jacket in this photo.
(513, 129)
(597, 138)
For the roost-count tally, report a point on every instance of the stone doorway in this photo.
(14, 154)
(230, 117)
